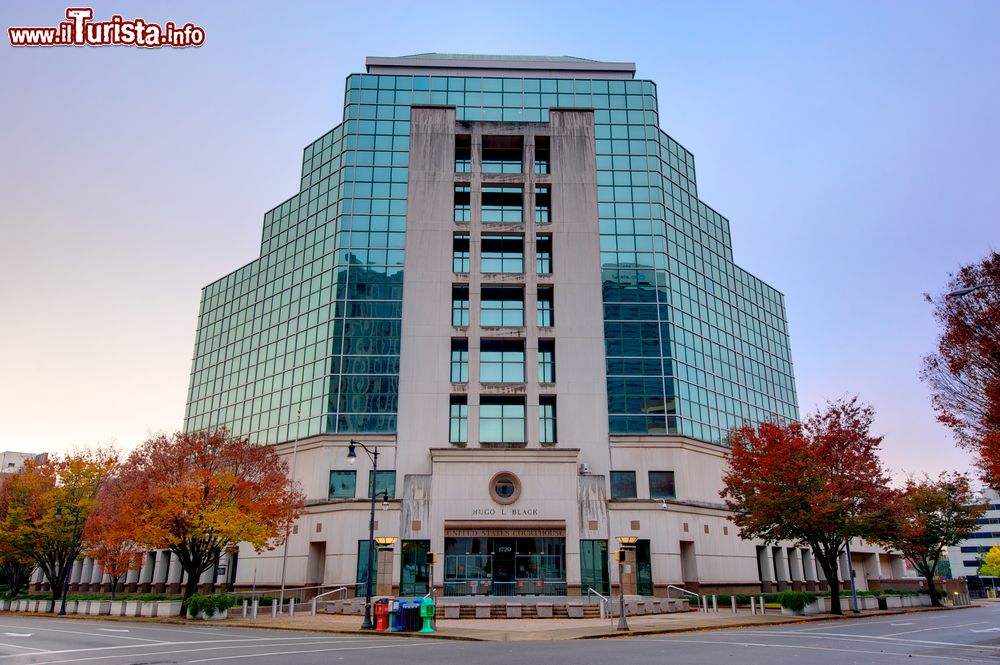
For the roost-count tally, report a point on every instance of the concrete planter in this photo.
(217, 616)
(165, 608)
(149, 609)
(71, 606)
(925, 599)
(44, 606)
(32, 606)
(99, 607)
(812, 608)
(117, 608)
(4, 605)
(82, 607)
(893, 602)
(788, 612)
(133, 608)
(868, 602)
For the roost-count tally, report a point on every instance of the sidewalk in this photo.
(505, 630)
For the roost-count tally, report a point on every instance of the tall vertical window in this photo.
(459, 305)
(502, 254)
(546, 361)
(463, 153)
(463, 203)
(502, 306)
(501, 361)
(458, 419)
(501, 420)
(502, 204)
(543, 253)
(543, 205)
(547, 419)
(502, 154)
(459, 361)
(542, 155)
(546, 317)
(460, 253)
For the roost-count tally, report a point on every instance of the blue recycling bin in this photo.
(394, 617)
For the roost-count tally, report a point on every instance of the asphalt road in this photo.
(940, 638)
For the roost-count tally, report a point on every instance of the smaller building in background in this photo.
(967, 556)
(11, 462)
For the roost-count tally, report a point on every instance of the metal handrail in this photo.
(315, 598)
(682, 590)
(261, 592)
(605, 603)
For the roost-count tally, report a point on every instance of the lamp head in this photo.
(58, 512)
(352, 453)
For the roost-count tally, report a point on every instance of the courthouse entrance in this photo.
(505, 559)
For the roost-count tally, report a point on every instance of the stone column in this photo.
(809, 572)
(146, 573)
(630, 579)
(96, 577)
(74, 575)
(795, 568)
(175, 576)
(206, 583)
(160, 571)
(765, 569)
(132, 581)
(780, 568)
(86, 573)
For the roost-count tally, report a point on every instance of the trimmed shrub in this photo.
(795, 600)
(209, 604)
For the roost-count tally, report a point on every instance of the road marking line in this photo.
(77, 632)
(887, 638)
(923, 630)
(18, 646)
(809, 648)
(287, 653)
(242, 645)
(114, 630)
(905, 623)
(16, 634)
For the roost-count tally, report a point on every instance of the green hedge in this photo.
(209, 604)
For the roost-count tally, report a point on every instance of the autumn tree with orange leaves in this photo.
(201, 494)
(110, 533)
(818, 483)
(930, 516)
(964, 372)
(41, 503)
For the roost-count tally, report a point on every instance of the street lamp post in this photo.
(352, 456)
(958, 293)
(627, 544)
(72, 556)
(850, 573)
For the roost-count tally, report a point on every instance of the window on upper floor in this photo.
(546, 315)
(463, 203)
(547, 419)
(542, 165)
(459, 305)
(458, 419)
(661, 485)
(543, 254)
(501, 306)
(546, 361)
(460, 253)
(623, 485)
(501, 420)
(502, 204)
(343, 484)
(501, 361)
(385, 484)
(463, 153)
(543, 204)
(502, 254)
(502, 154)
(459, 361)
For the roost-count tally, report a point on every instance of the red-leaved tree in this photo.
(818, 483)
(199, 494)
(930, 516)
(964, 372)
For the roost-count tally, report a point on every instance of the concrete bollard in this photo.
(291, 607)
(253, 610)
(244, 609)
(753, 605)
(704, 604)
(762, 605)
(715, 603)
(274, 608)
(314, 606)
(733, 598)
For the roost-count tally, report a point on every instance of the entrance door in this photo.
(643, 569)
(414, 571)
(504, 568)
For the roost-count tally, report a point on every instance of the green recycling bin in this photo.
(427, 614)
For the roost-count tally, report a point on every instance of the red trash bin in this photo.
(381, 615)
